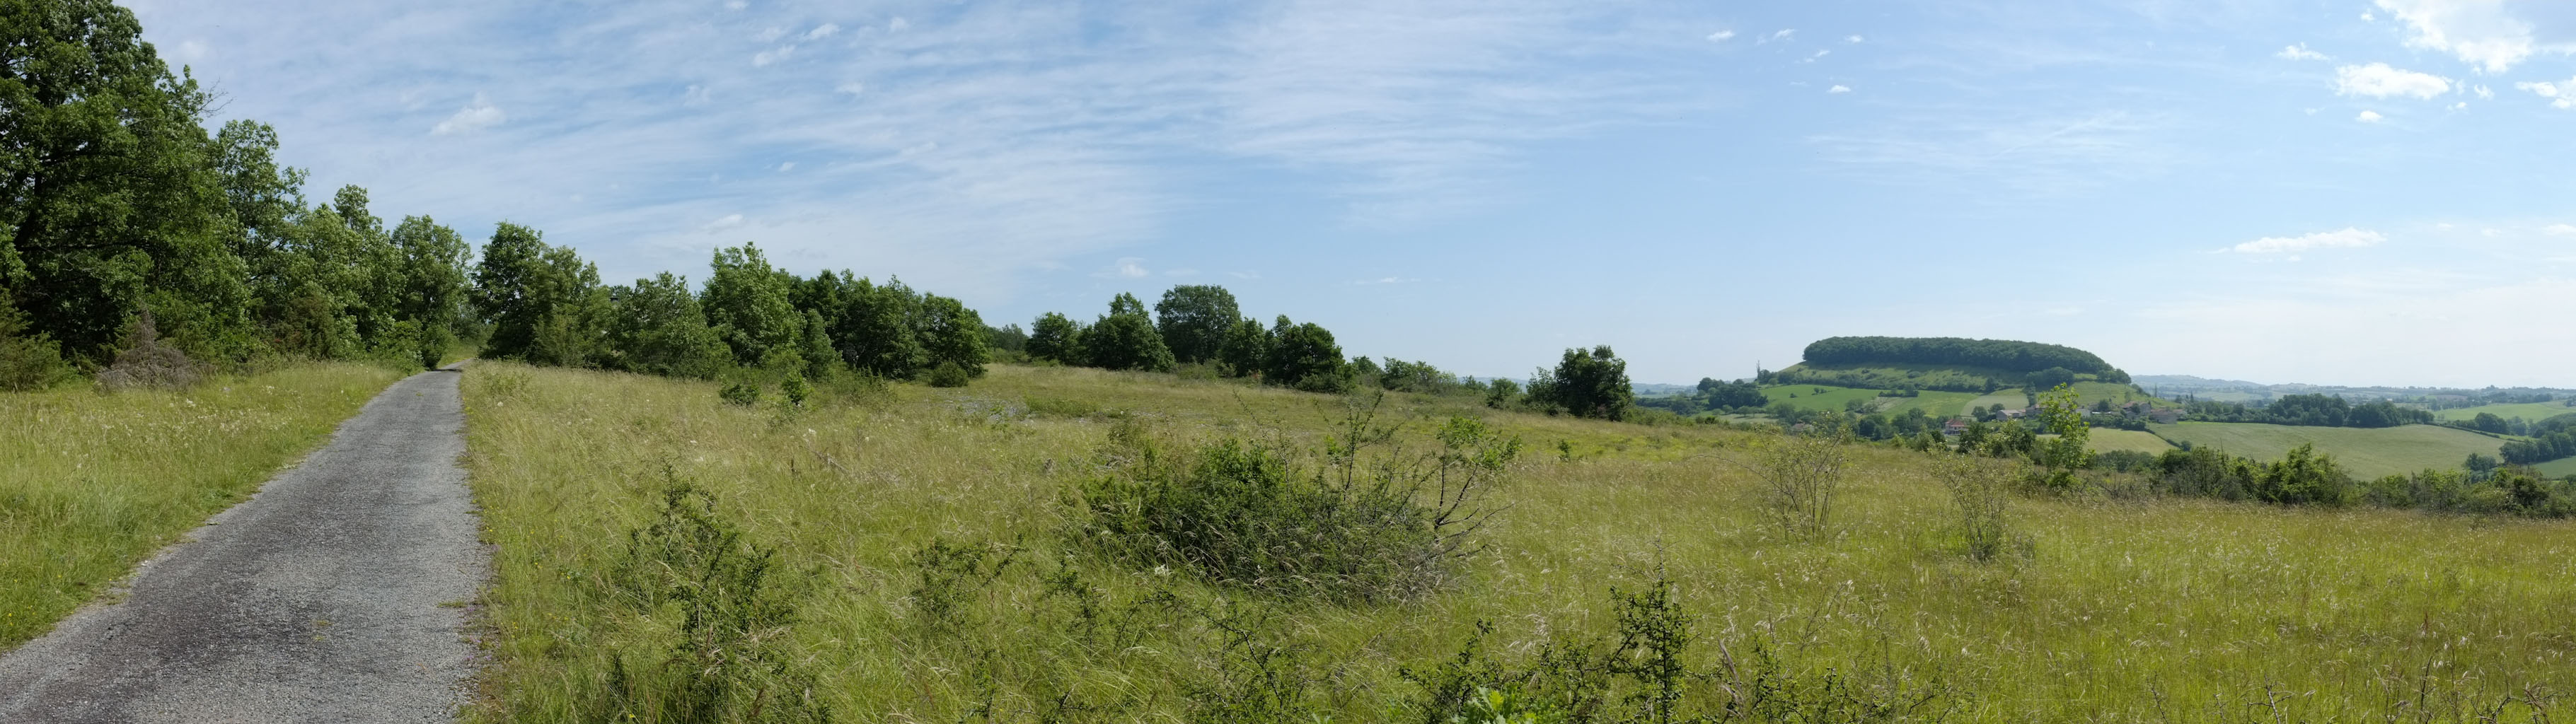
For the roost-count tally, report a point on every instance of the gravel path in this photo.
(334, 595)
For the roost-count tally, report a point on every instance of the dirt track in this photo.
(334, 595)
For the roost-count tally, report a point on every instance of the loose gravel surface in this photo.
(334, 595)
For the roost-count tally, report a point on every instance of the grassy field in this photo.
(2559, 468)
(2366, 453)
(2153, 611)
(2534, 412)
(2106, 440)
(91, 483)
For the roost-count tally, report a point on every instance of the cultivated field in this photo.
(91, 483)
(2366, 453)
(2106, 440)
(927, 535)
(2533, 412)
(2559, 468)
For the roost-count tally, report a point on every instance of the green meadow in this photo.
(2364, 452)
(930, 544)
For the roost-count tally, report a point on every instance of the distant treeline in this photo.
(2310, 410)
(1996, 354)
(1200, 329)
(2551, 439)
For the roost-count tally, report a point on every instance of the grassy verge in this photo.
(91, 483)
(925, 534)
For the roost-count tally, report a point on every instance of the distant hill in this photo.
(1945, 363)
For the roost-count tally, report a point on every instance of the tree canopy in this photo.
(1997, 354)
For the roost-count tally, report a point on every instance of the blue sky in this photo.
(2345, 192)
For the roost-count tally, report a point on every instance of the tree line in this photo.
(129, 225)
(2551, 439)
(2317, 410)
(1203, 328)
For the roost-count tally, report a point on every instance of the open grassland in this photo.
(2106, 440)
(2559, 468)
(2364, 452)
(1818, 397)
(2534, 412)
(91, 483)
(2114, 611)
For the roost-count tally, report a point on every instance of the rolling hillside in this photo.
(2365, 453)
(2534, 412)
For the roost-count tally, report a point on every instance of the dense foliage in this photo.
(1955, 351)
(2552, 439)
(2310, 410)
(1585, 384)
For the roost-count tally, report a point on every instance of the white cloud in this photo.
(2561, 94)
(2301, 52)
(1782, 34)
(1128, 267)
(476, 116)
(2485, 33)
(1851, 38)
(785, 166)
(852, 88)
(771, 34)
(2368, 117)
(1839, 88)
(2347, 238)
(764, 58)
(736, 4)
(2377, 80)
(1721, 36)
(822, 31)
(728, 221)
(1819, 54)
(2560, 230)
(2460, 105)
(2484, 93)
(897, 25)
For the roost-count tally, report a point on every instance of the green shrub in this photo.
(1649, 671)
(948, 374)
(28, 360)
(1982, 490)
(740, 393)
(795, 390)
(726, 655)
(1344, 524)
(1800, 476)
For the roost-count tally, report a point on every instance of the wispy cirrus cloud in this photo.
(965, 142)
(2345, 238)
(2039, 154)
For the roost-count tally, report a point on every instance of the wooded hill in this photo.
(1944, 363)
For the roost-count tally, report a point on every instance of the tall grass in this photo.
(90, 483)
(2167, 610)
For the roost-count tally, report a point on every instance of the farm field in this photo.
(2366, 453)
(2102, 439)
(2108, 615)
(92, 483)
(2533, 412)
(2559, 468)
